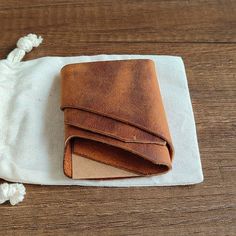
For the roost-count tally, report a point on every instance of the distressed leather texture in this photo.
(114, 114)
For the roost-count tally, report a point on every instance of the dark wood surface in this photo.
(204, 34)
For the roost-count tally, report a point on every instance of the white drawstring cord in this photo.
(24, 44)
(12, 192)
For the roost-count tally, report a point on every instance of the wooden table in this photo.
(204, 34)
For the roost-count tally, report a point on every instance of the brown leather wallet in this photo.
(115, 123)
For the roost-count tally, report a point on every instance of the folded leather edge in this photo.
(168, 142)
(68, 148)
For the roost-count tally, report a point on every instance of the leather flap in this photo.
(109, 127)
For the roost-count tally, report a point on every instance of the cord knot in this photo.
(12, 192)
(27, 43)
(24, 44)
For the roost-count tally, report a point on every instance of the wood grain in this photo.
(120, 21)
(204, 34)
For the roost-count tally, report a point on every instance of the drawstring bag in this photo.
(32, 128)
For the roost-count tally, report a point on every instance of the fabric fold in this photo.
(114, 115)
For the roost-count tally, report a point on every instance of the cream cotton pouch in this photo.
(32, 125)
